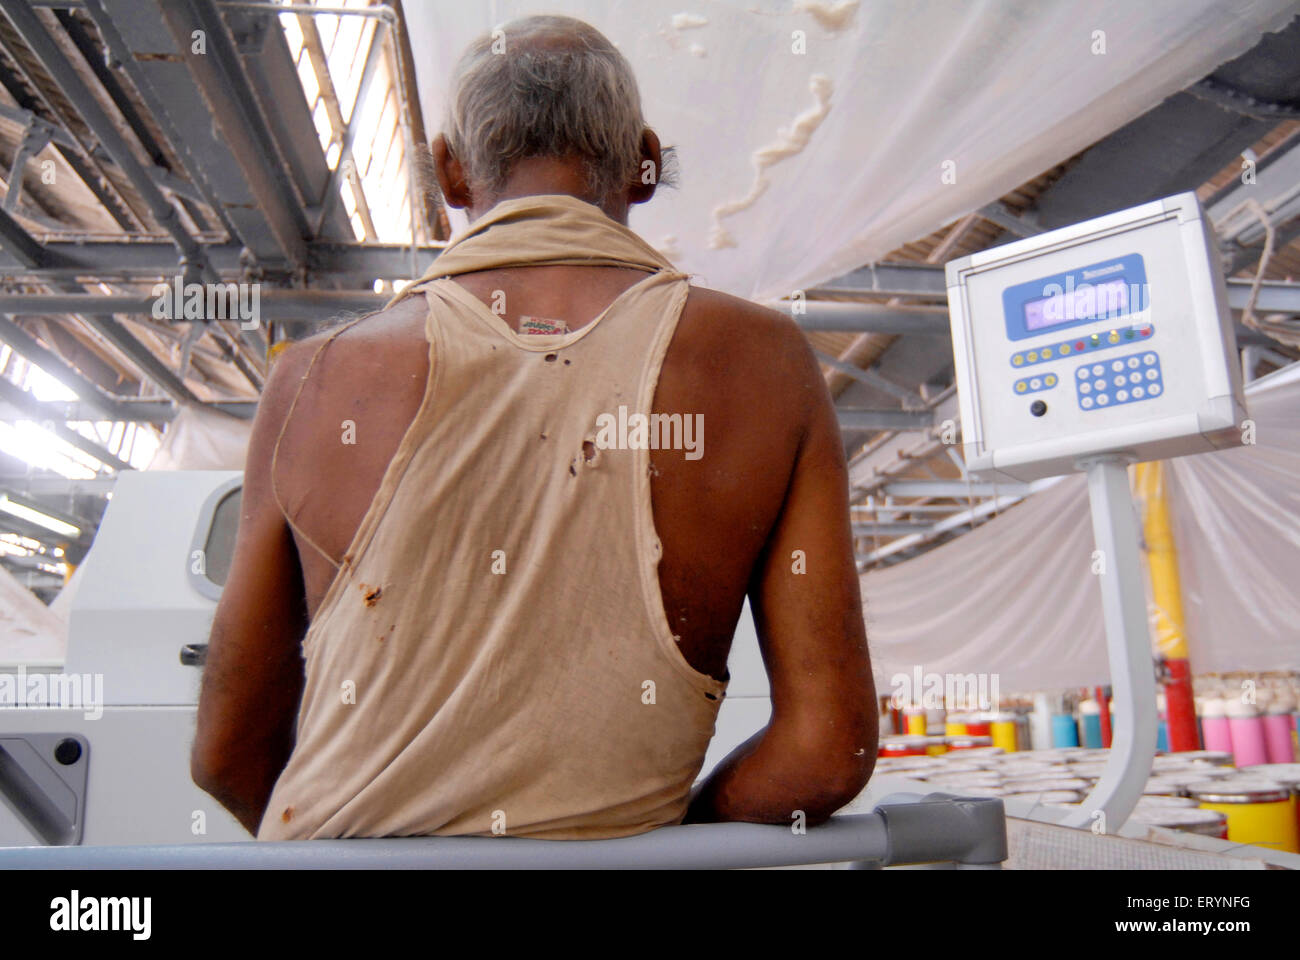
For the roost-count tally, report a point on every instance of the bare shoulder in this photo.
(727, 315)
(334, 364)
(743, 341)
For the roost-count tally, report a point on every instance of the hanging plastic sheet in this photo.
(199, 440)
(1237, 531)
(818, 135)
(29, 632)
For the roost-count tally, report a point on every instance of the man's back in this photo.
(743, 369)
(762, 512)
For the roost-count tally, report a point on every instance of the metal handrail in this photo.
(969, 832)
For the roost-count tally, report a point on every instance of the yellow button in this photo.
(1020, 386)
(1046, 353)
(1050, 379)
(1065, 348)
(1031, 356)
(1017, 360)
(1114, 336)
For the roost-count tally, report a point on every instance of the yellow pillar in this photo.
(1167, 599)
(1162, 561)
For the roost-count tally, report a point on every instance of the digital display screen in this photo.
(1086, 302)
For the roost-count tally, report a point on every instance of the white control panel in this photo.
(1109, 336)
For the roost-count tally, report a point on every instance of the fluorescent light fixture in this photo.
(35, 516)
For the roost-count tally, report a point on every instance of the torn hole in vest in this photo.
(590, 452)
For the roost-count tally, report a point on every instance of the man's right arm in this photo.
(819, 748)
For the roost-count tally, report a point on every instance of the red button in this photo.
(1146, 331)
(1079, 345)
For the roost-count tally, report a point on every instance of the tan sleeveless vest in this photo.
(493, 656)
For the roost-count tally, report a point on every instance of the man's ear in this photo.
(647, 178)
(451, 175)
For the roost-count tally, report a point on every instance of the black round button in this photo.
(1038, 408)
(67, 752)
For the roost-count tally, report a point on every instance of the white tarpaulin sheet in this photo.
(1237, 527)
(1017, 598)
(200, 440)
(29, 631)
(811, 164)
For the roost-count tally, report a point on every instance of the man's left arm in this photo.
(253, 678)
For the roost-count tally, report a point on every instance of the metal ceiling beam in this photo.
(870, 377)
(1274, 296)
(29, 562)
(825, 315)
(275, 304)
(894, 279)
(36, 37)
(922, 280)
(953, 522)
(166, 379)
(22, 246)
(103, 189)
(115, 333)
(1021, 226)
(37, 580)
(129, 411)
(950, 488)
(143, 49)
(345, 130)
(39, 41)
(358, 264)
(1245, 258)
(51, 485)
(57, 511)
(163, 211)
(34, 531)
(872, 467)
(1231, 98)
(852, 418)
(270, 69)
(888, 529)
(26, 346)
(15, 395)
(224, 86)
(105, 69)
(881, 510)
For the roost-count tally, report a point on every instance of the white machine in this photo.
(98, 750)
(1092, 347)
(1109, 336)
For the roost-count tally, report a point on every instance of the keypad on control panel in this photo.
(1118, 380)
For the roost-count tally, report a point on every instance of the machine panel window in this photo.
(219, 547)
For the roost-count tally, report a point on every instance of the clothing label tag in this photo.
(541, 325)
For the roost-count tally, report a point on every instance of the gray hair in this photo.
(559, 88)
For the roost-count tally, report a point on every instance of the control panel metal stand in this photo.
(1128, 646)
